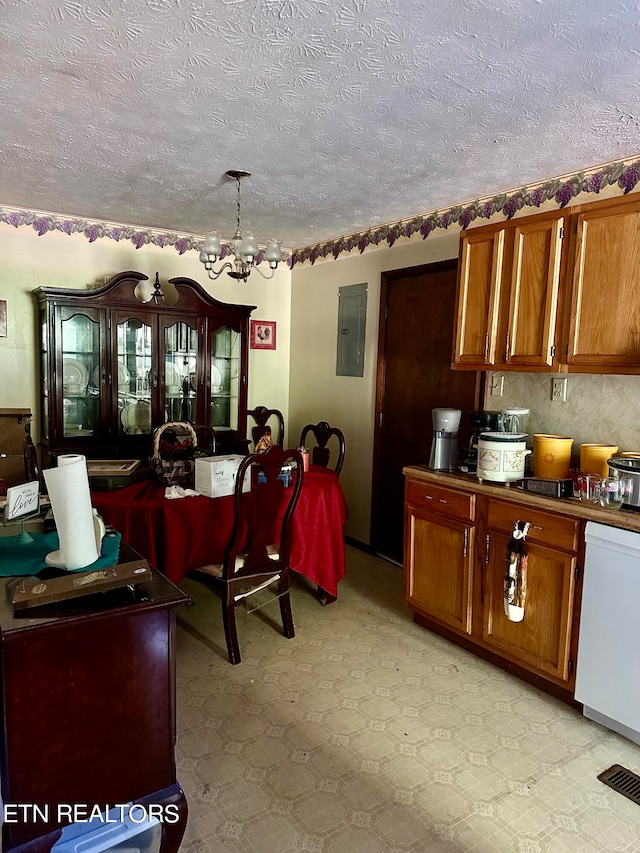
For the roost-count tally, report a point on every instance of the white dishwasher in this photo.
(608, 674)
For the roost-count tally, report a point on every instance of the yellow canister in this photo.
(552, 456)
(593, 458)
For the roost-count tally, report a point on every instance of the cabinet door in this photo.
(225, 379)
(532, 292)
(605, 317)
(541, 641)
(438, 560)
(81, 398)
(479, 282)
(133, 373)
(181, 370)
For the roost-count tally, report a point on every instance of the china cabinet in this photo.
(121, 359)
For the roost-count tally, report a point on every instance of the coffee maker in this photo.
(481, 421)
(444, 446)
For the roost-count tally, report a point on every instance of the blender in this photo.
(444, 446)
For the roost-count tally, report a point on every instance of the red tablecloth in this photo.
(179, 535)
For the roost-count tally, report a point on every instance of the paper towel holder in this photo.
(56, 558)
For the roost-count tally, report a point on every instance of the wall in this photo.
(346, 401)
(55, 259)
(598, 410)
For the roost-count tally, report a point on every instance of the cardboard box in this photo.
(216, 475)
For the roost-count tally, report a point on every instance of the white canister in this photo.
(501, 456)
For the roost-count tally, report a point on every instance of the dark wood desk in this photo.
(88, 708)
(178, 536)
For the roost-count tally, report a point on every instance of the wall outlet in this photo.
(559, 389)
(496, 388)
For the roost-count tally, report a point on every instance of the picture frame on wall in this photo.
(263, 334)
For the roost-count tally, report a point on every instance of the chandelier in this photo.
(243, 248)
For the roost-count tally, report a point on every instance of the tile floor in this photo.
(368, 734)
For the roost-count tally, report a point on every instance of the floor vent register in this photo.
(623, 781)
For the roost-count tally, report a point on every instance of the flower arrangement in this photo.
(179, 448)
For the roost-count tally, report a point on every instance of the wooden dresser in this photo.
(88, 708)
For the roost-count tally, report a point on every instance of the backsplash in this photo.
(599, 409)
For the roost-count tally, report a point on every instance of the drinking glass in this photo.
(588, 487)
(613, 490)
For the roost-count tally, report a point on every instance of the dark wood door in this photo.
(417, 309)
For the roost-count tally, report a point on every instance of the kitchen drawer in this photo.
(558, 531)
(454, 504)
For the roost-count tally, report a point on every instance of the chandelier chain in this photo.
(238, 205)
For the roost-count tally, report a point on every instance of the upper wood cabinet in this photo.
(508, 286)
(604, 318)
(114, 367)
(532, 299)
(479, 283)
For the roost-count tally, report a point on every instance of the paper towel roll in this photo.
(68, 488)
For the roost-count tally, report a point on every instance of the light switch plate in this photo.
(496, 388)
(559, 389)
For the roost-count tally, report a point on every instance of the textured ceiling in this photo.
(349, 113)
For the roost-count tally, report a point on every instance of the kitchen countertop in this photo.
(628, 519)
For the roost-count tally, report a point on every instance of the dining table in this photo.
(180, 535)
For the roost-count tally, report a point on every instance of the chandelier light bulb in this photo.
(212, 245)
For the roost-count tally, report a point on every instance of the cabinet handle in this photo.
(466, 540)
(428, 497)
(486, 346)
(486, 549)
(506, 348)
(155, 377)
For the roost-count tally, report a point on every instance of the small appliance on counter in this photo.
(444, 446)
(501, 456)
(627, 466)
(481, 421)
(547, 487)
(514, 419)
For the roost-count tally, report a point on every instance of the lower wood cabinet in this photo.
(440, 568)
(441, 533)
(455, 561)
(542, 640)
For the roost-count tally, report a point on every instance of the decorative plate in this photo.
(74, 372)
(136, 417)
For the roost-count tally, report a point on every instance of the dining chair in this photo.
(321, 454)
(206, 438)
(259, 550)
(261, 415)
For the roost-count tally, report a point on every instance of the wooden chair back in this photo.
(321, 453)
(261, 415)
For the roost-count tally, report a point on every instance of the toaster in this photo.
(549, 488)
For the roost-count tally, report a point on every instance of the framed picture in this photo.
(263, 334)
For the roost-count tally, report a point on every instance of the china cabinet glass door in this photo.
(135, 376)
(81, 389)
(224, 378)
(181, 374)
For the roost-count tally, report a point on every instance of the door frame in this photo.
(386, 279)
